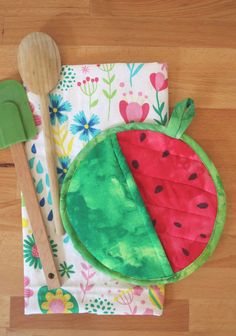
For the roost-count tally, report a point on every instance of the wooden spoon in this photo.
(39, 64)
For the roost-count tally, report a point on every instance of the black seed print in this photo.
(185, 251)
(192, 176)
(177, 224)
(142, 137)
(158, 189)
(202, 205)
(165, 153)
(154, 222)
(135, 164)
(202, 235)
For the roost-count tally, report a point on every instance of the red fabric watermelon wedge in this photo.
(177, 190)
(144, 203)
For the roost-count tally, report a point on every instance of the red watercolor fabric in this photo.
(177, 190)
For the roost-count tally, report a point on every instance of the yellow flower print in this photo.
(57, 303)
(25, 223)
(125, 296)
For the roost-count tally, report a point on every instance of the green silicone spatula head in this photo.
(16, 119)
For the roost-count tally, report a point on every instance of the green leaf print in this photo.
(108, 93)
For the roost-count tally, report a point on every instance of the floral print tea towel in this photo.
(87, 100)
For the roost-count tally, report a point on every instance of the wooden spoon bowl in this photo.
(39, 62)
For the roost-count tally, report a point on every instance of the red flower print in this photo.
(37, 118)
(89, 86)
(32, 107)
(133, 111)
(158, 81)
(35, 252)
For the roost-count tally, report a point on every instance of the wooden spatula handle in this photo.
(39, 230)
(51, 163)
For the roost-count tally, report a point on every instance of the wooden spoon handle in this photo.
(51, 164)
(35, 216)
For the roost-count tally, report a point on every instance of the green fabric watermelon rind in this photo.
(218, 226)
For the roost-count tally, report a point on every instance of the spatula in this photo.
(16, 127)
(39, 65)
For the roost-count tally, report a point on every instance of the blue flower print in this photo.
(64, 166)
(85, 127)
(57, 108)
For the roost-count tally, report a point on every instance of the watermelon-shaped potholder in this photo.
(143, 202)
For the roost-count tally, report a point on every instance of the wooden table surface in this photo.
(197, 39)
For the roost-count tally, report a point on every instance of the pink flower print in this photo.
(138, 290)
(158, 81)
(87, 273)
(133, 111)
(148, 311)
(164, 66)
(27, 291)
(85, 69)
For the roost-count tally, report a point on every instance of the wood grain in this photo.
(36, 220)
(1, 29)
(209, 311)
(138, 31)
(4, 308)
(174, 319)
(203, 284)
(86, 332)
(202, 9)
(197, 40)
(43, 8)
(212, 85)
